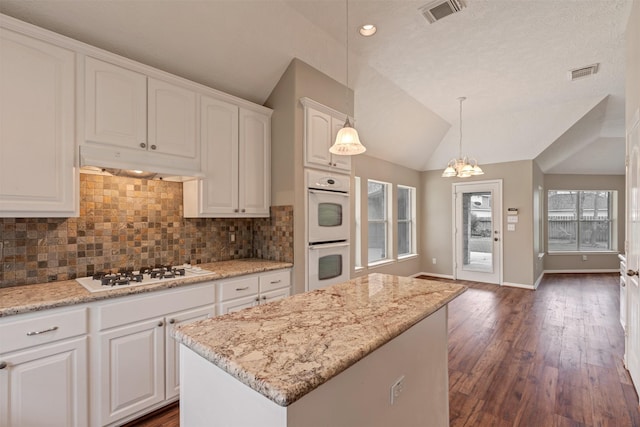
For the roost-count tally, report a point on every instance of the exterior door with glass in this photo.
(477, 231)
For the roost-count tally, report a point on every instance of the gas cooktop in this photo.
(108, 280)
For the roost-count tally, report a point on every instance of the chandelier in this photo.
(462, 167)
(347, 141)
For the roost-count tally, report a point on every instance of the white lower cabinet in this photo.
(172, 353)
(132, 369)
(43, 369)
(249, 291)
(135, 359)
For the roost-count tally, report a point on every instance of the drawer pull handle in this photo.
(3, 365)
(53, 328)
(273, 282)
(172, 321)
(160, 324)
(242, 289)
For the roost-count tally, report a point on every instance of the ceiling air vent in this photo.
(439, 9)
(582, 72)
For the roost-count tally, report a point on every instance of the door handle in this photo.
(632, 273)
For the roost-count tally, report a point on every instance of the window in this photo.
(358, 222)
(406, 221)
(378, 220)
(581, 221)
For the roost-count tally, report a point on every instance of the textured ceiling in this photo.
(509, 58)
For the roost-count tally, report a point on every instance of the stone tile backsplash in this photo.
(128, 222)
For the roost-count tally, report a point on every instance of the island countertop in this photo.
(287, 348)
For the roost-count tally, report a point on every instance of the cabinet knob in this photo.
(153, 147)
(235, 210)
(143, 145)
(244, 210)
(632, 273)
(160, 324)
(3, 365)
(257, 299)
(172, 321)
(264, 298)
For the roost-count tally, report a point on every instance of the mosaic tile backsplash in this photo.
(127, 222)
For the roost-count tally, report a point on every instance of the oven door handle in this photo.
(337, 193)
(328, 245)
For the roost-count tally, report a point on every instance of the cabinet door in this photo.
(274, 295)
(115, 105)
(254, 163)
(238, 304)
(339, 162)
(172, 376)
(172, 119)
(37, 145)
(218, 192)
(318, 133)
(45, 386)
(132, 369)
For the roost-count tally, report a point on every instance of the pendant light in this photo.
(347, 142)
(462, 167)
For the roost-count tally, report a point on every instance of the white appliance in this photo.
(328, 264)
(328, 253)
(328, 197)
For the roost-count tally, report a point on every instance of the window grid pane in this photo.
(580, 221)
(378, 224)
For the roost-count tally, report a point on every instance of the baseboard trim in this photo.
(519, 285)
(537, 283)
(584, 271)
(441, 276)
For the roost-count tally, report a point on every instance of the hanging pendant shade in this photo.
(463, 166)
(347, 141)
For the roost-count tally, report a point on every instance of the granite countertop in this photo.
(288, 348)
(28, 298)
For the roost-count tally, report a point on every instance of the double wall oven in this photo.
(327, 229)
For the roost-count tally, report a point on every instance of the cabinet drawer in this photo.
(134, 309)
(275, 280)
(238, 304)
(42, 329)
(238, 288)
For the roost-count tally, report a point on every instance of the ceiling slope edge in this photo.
(581, 134)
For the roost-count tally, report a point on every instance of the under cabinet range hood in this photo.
(137, 164)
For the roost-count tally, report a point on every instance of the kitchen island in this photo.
(371, 351)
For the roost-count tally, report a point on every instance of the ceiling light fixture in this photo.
(367, 30)
(347, 141)
(462, 167)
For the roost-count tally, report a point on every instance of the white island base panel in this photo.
(359, 396)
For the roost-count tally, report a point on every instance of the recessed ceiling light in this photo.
(368, 30)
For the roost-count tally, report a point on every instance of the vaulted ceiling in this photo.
(510, 58)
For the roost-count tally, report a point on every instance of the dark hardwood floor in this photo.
(547, 358)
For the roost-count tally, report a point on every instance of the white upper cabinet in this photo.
(217, 194)
(115, 105)
(321, 125)
(254, 163)
(236, 162)
(172, 119)
(127, 109)
(38, 177)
